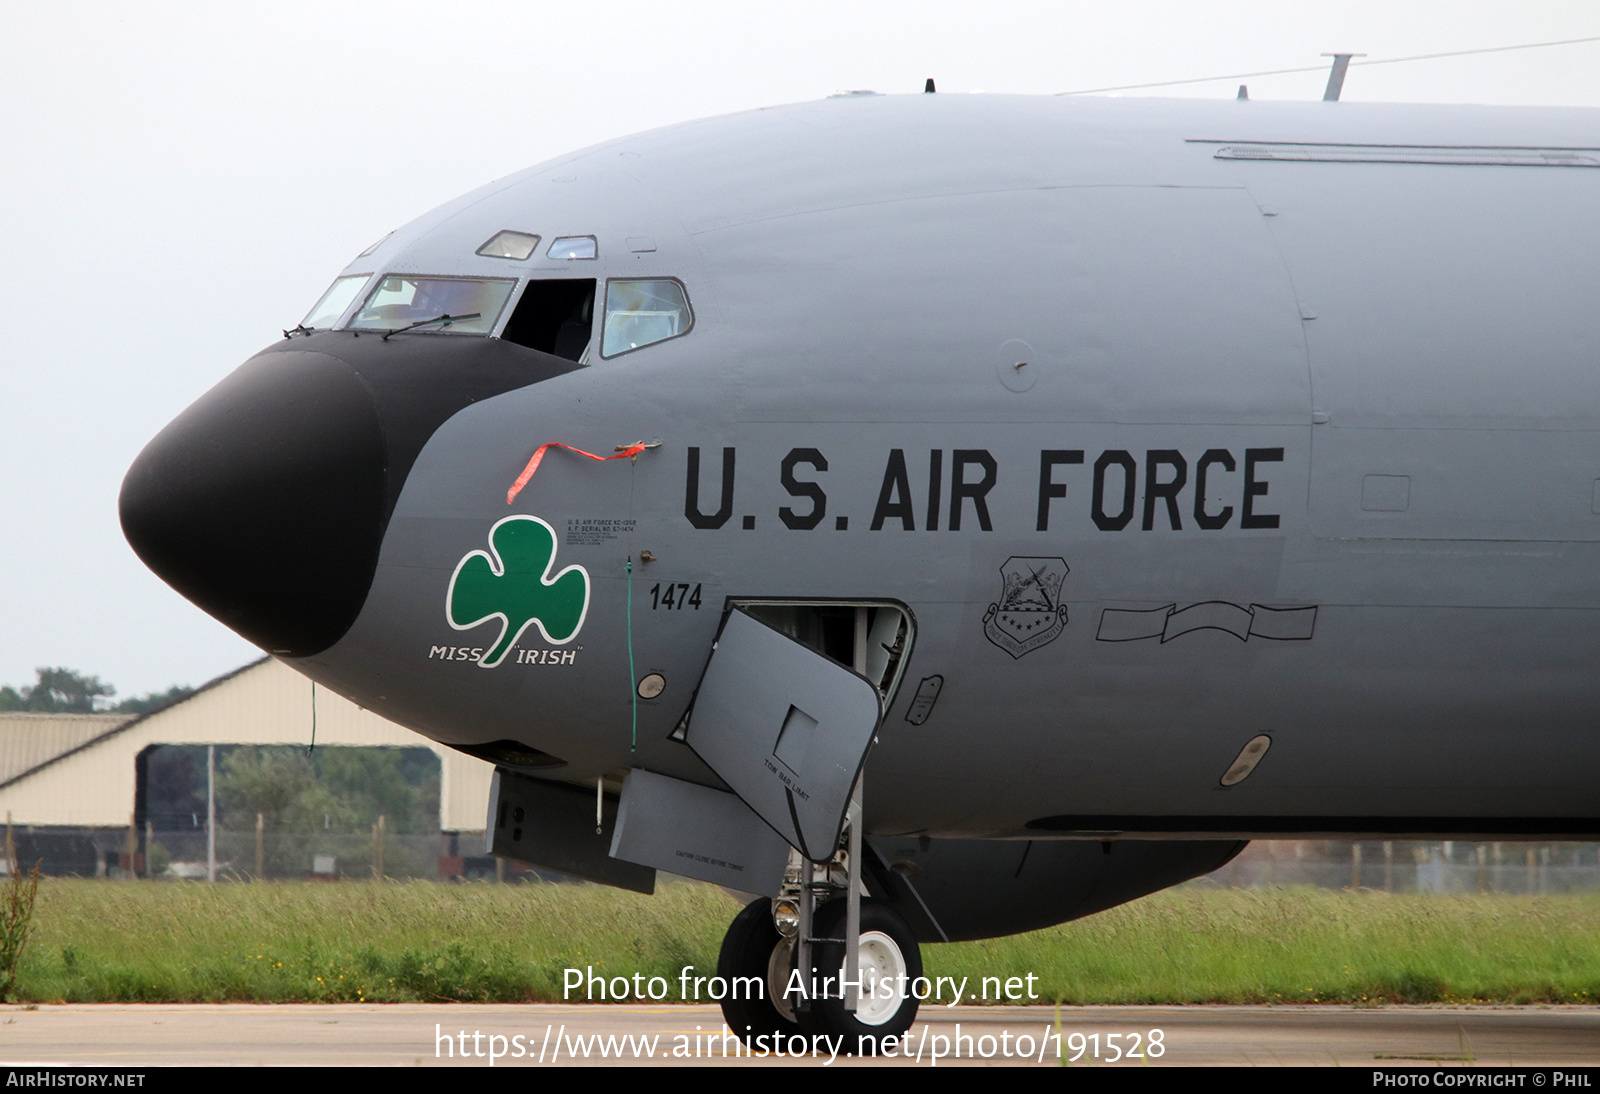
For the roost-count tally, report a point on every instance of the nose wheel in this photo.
(890, 963)
(754, 953)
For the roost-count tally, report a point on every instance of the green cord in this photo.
(634, 746)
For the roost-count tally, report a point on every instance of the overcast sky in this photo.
(181, 181)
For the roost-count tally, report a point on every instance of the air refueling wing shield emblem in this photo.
(1029, 613)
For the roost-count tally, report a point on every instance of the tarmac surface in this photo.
(564, 1035)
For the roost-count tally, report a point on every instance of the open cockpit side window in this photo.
(555, 317)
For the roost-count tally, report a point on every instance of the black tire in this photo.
(753, 947)
(884, 935)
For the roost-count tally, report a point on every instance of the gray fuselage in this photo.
(1170, 425)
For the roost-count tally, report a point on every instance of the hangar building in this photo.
(75, 793)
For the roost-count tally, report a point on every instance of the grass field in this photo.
(97, 941)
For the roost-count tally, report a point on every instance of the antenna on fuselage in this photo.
(1341, 62)
(1244, 93)
(927, 88)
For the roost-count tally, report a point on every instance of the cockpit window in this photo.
(451, 305)
(509, 244)
(640, 313)
(554, 316)
(333, 303)
(570, 247)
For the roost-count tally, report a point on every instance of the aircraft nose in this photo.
(264, 502)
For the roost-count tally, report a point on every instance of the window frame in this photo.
(533, 249)
(606, 313)
(361, 293)
(383, 276)
(593, 239)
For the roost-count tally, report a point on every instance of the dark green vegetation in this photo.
(427, 942)
(1203, 945)
(65, 691)
(17, 898)
(325, 802)
(355, 941)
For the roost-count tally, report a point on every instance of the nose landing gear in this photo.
(754, 964)
(795, 981)
(890, 964)
(831, 963)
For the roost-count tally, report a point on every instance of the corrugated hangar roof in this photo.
(78, 770)
(28, 741)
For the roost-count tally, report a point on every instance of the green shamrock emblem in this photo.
(511, 582)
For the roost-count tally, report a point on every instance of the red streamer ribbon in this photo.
(538, 458)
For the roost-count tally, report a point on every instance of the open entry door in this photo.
(786, 728)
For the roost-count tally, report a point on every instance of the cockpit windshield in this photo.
(427, 303)
(333, 303)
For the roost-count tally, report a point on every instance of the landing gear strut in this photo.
(890, 962)
(795, 947)
(833, 964)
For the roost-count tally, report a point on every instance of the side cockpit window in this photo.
(449, 305)
(642, 313)
(554, 316)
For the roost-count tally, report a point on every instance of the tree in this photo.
(150, 701)
(269, 781)
(326, 803)
(58, 691)
(67, 691)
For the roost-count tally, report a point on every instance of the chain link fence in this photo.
(181, 853)
(1403, 866)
